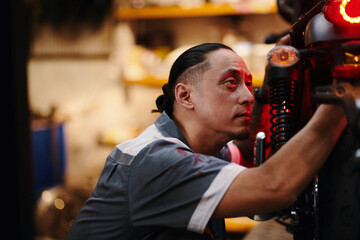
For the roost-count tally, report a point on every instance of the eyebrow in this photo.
(231, 71)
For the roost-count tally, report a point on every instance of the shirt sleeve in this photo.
(171, 186)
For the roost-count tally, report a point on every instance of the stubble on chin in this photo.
(244, 132)
(242, 135)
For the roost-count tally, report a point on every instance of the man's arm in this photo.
(276, 184)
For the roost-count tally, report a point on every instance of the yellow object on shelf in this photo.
(115, 135)
(207, 10)
(240, 224)
(257, 80)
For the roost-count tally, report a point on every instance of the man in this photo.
(176, 181)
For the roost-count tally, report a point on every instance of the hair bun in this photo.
(160, 103)
(166, 89)
(163, 101)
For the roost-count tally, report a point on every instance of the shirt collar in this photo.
(169, 128)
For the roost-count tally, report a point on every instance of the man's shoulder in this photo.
(150, 140)
(149, 136)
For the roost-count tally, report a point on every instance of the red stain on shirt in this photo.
(182, 151)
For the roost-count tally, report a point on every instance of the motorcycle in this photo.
(321, 65)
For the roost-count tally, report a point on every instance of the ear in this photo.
(183, 95)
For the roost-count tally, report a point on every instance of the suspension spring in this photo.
(282, 120)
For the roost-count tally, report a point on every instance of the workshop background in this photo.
(94, 70)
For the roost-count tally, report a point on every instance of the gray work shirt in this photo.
(155, 187)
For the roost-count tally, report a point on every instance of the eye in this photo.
(249, 84)
(231, 83)
(248, 81)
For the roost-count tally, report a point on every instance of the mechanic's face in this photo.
(223, 101)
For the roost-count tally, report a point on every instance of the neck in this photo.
(200, 140)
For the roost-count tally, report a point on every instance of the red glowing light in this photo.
(343, 12)
(347, 72)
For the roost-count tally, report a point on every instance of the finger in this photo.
(284, 40)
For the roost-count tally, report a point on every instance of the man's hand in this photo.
(284, 40)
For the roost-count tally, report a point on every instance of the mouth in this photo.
(245, 115)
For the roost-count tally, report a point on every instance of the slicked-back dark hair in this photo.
(190, 58)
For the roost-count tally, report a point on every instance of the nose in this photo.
(245, 96)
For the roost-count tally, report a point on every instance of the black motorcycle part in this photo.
(339, 193)
(282, 82)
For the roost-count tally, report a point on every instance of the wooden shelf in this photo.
(207, 10)
(151, 81)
